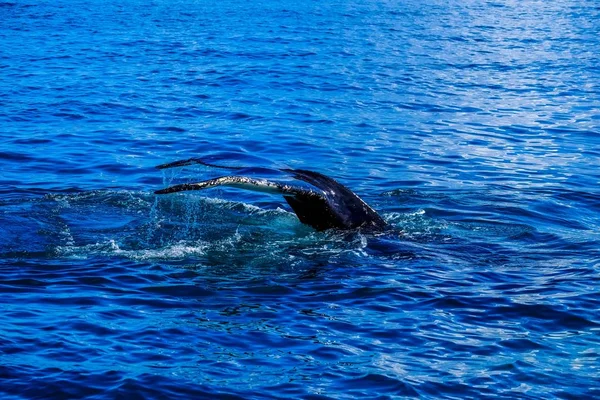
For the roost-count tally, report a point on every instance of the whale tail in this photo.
(325, 204)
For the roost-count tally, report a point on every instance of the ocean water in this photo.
(473, 127)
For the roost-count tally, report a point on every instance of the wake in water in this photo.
(190, 230)
(138, 225)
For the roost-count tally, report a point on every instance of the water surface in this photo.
(472, 127)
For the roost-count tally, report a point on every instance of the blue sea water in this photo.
(473, 127)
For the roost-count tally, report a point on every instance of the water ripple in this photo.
(472, 128)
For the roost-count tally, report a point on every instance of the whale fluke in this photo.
(329, 205)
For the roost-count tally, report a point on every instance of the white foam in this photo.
(174, 251)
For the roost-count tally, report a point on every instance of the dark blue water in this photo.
(473, 127)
